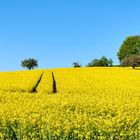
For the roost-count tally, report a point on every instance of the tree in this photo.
(110, 62)
(30, 63)
(103, 62)
(131, 46)
(76, 65)
(133, 60)
(94, 63)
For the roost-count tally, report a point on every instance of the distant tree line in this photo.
(128, 55)
(102, 62)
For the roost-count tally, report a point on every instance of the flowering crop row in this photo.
(45, 86)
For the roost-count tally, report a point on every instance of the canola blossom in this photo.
(91, 103)
(46, 83)
(21, 81)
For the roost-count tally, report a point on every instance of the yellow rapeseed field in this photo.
(19, 81)
(90, 103)
(46, 83)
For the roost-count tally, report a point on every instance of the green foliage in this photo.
(130, 46)
(30, 63)
(76, 65)
(133, 60)
(103, 61)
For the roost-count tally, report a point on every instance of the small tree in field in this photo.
(30, 63)
(133, 60)
(76, 65)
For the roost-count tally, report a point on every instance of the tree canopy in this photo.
(103, 61)
(133, 60)
(130, 46)
(76, 64)
(30, 63)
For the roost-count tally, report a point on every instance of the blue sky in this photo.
(59, 32)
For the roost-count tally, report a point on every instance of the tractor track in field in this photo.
(54, 84)
(34, 90)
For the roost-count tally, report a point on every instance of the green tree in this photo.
(30, 63)
(110, 62)
(76, 65)
(131, 46)
(103, 62)
(94, 63)
(133, 60)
